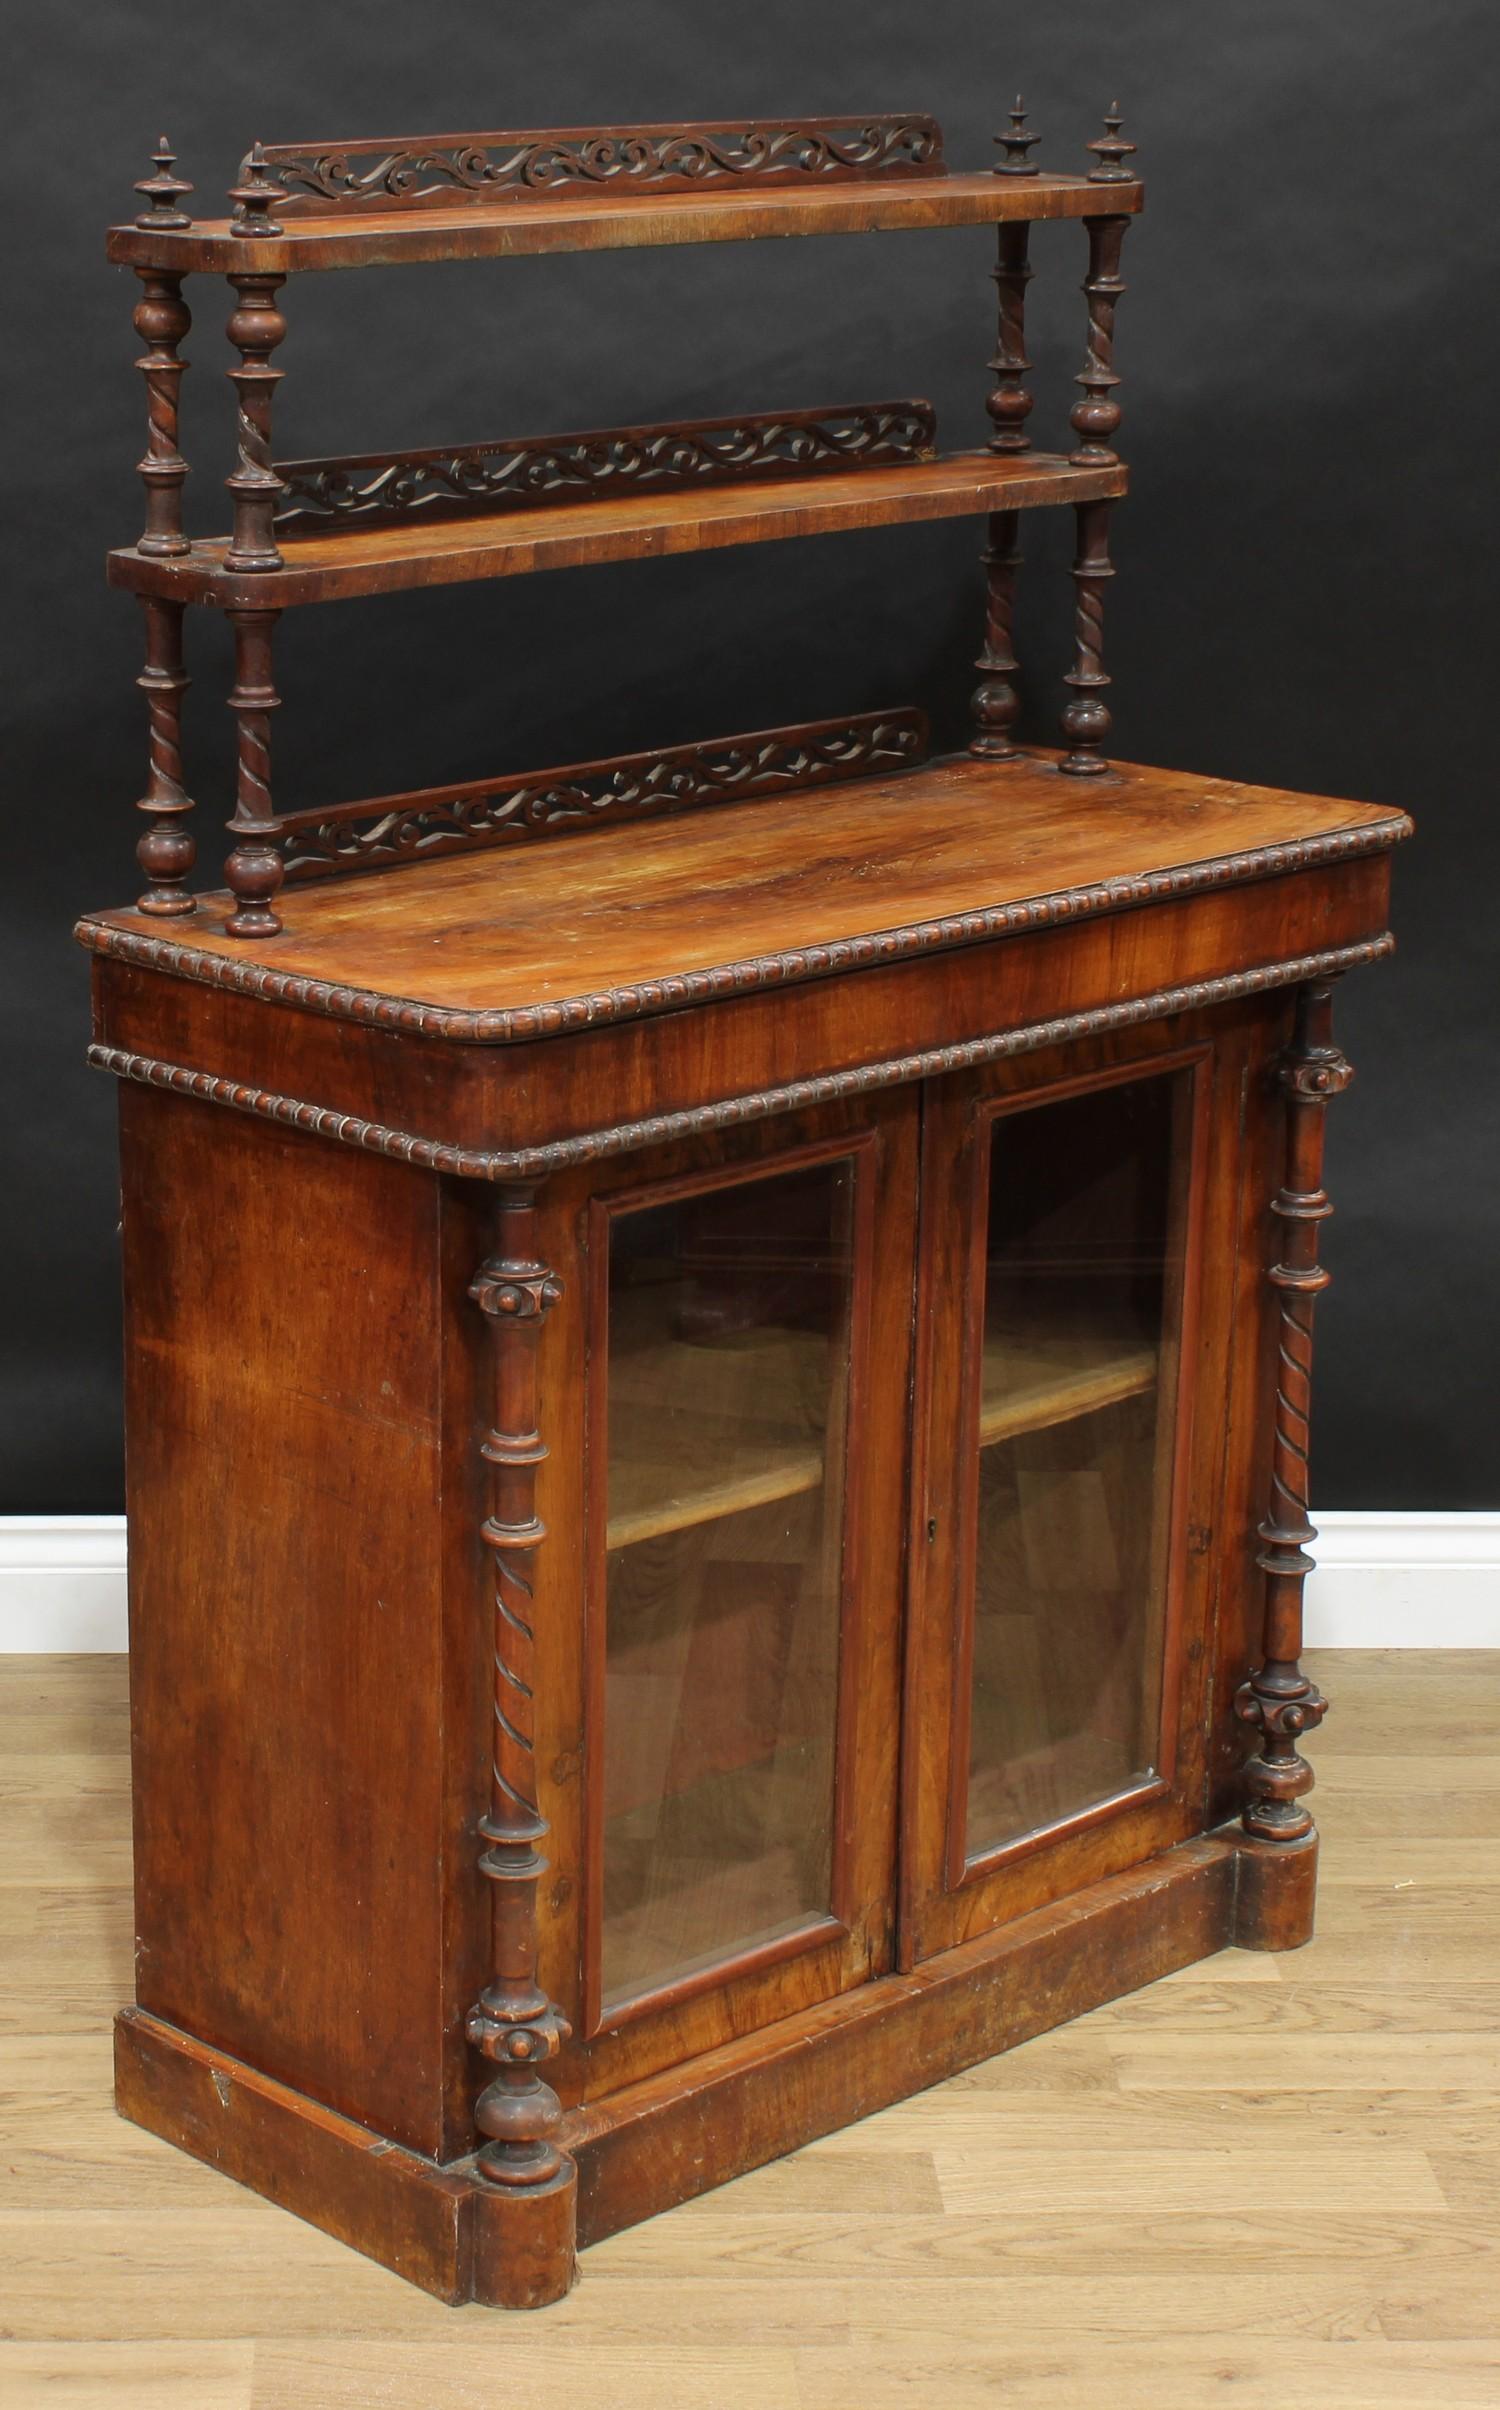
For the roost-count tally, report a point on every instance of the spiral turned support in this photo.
(165, 850)
(162, 319)
(1086, 720)
(514, 2024)
(1009, 405)
(1096, 418)
(256, 327)
(996, 702)
(254, 870)
(1279, 1702)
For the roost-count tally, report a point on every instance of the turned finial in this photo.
(163, 191)
(255, 196)
(1111, 152)
(1017, 144)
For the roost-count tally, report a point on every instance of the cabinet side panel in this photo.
(283, 1460)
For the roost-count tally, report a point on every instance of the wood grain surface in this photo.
(764, 883)
(620, 527)
(1085, 2221)
(617, 222)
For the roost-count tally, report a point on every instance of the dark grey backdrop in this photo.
(1306, 564)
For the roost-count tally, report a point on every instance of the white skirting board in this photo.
(1383, 1581)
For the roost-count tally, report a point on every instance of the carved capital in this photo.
(517, 1292)
(1280, 1718)
(1314, 1078)
(517, 2038)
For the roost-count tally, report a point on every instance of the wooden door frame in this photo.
(945, 1896)
(757, 1987)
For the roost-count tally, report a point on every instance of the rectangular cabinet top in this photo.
(524, 942)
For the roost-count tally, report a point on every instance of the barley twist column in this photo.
(1009, 405)
(996, 702)
(1279, 1701)
(514, 2024)
(162, 319)
(254, 870)
(1097, 416)
(165, 851)
(1086, 720)
(255, 329)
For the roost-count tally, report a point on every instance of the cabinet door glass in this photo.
(1083, 1281)
(727, 1384)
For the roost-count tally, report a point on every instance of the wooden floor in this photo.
(1272, 2182)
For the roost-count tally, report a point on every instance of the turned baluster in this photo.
(254, 870)
(1086, 720)
(1096, 417)
(1009, 404)
(162, 319)
(514, 2024)
(256, 326)
(1279, 1701)
(996, 702)
(165, 851)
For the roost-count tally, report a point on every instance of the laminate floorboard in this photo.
(1272, 2181)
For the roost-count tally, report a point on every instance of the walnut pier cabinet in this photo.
(718, 1341)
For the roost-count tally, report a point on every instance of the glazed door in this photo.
(747, 1386)
(1055, 1661)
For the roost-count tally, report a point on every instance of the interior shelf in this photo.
(627, 526)
(617, 221)
(684, 1405)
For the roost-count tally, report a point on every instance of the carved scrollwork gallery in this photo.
(375, 488)
(384, 832)
(446, 168)
(1280, 1702)
(513, 2024)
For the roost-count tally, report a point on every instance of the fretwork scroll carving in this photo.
(375, 488)
(437, 170)
(1280, 1702)
(393, 829)
(514, 2024)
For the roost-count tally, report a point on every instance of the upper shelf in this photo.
(617, 221)
(411, 198)
(624, 527)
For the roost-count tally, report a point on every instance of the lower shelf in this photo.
(659, 2142)
(681, 1400)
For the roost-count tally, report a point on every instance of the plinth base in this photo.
(658, 2142)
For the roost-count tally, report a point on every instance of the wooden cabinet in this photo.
(717, 1408)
